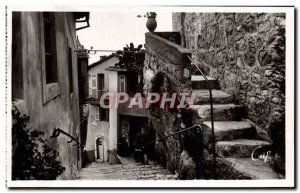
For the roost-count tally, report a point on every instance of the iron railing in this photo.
(211, 115)
(197, 126)
(179, 132)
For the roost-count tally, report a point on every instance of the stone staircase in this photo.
(235, 138)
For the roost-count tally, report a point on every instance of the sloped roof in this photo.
(102, 60)
(118, 69)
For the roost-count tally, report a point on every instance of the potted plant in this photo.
(151, 22)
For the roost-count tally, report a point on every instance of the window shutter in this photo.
(122, 83)
(97, 114)
(94, 93)
(94, 82)
(94, 85)
(92, 115)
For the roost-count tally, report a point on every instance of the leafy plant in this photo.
(148, 15)
(131, 58)
(32, 158)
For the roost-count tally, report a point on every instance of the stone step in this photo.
(198, 82)
(218, 96)
(222, 112)
(254, 169)
(239, 148)
(230, 130)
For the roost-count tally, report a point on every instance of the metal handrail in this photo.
(211, 114)
(58, 131)
(164, 138)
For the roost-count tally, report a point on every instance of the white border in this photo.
(288, 182)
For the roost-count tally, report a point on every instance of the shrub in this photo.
(32, 158)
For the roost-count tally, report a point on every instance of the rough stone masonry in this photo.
(167, 70)
(245, 52)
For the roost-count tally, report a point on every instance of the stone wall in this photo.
(166, 69)
(62, 111)
(245, 52)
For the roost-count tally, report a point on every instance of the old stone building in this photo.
(45, 78)
(242, 55)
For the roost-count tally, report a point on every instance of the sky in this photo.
(113, 30)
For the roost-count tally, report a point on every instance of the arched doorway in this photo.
(99, 150)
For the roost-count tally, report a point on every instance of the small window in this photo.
(104, 114)
(100, 79)
(101, 82)
(17, 64)
(93, 90)
(49, 45)
(70, 70)
(122, 83)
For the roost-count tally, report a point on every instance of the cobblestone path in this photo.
(131, 171)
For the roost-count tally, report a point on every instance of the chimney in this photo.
(102, 57)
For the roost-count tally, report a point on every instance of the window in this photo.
(70, 70)
(101, 82)
(49, 44)
(49, 58)
(104, 114)
(100, 79)
(97, 85)
(122, 83)
(93, 86)
(17, 65)
(99, 114)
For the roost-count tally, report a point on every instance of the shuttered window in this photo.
(104, 114)
(122, 83)
(92, 114)
(94, 85)
(97, 114)
(100, 82)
